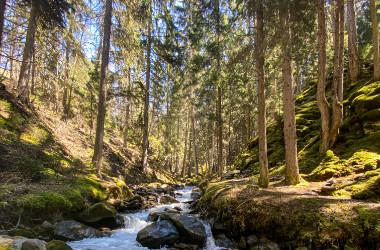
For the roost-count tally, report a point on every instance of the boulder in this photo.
(7, 242)
(154, 216)
(265, 244)
(184, 246)
(252, 240)
(158, 234)
(101, 215)
(57, 245)
(171, 210)
(196, 193)
(221, 240)
(33, 244)
(135, 203)
(191, 229)
(21, 243)
(167, 199)
(73, 230)
(98, 212)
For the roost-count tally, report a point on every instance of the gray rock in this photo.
(135, 203)
(33, 244)
(154, 216)
(21, 243)
(73, 230)
(221, 240)
(158, 234)
(191, 229)
(252, 240)
(196, 193)
(47, 225)
(184, 246)
(265, 244)
(167, 199)
(178, 209)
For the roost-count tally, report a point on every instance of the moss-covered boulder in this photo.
(57, 245)
(97, 212)
(101, 215)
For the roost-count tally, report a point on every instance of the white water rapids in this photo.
(125, 238)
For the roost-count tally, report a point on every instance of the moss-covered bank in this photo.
(292, 216)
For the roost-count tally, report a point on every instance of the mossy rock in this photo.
(57, 245)
(28, 233)
(372, 115)
(364, 103)
(97, 212)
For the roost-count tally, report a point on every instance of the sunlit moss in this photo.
(34, 135)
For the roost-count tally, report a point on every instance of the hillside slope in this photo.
(46, 170)
(336, 205)
(354, 162)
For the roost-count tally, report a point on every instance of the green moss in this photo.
(369, 189)
(364, 102)
(57, 245)
(35, 135)
(372, 115)
(23, 232)
(71, 197)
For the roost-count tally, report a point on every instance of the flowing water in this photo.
(125, 238)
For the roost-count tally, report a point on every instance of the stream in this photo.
(125, 238)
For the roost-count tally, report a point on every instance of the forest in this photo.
(189, 124)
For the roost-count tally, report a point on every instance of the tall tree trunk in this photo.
(127, 111)
(23, 85)
(185, 150)
(3, 5)
(177, 144)
(353, 60)
(337, 89)
(98, 150)
(33, 85)
(145, 143)
(219, 118)
(190, 161)
(290, 136)
(375, 41)
(194, 143)
(259, 53)
(66, 84)
(321, 88)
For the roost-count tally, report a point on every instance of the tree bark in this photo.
(260, 74)
(290, 136)
(353, 60)
(219, 118)
(98, 150)
(3, 5)
(145, 143)
(23, 85)
(321, 88)
(185, 150)
(375, 41)
(127, 111)
(337, 88)
(194, 143)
